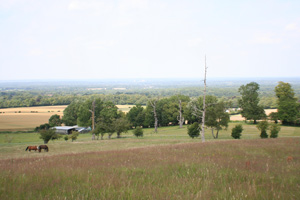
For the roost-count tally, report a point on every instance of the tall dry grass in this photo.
(235, 169)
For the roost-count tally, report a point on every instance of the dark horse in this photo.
(31, 148)
(45, 147)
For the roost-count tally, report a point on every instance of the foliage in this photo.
(249, 102)
(236, 132)
(216, 117)
(45, 126)
(71, 114)
(66, 137)
(274, 129)
(49, 134)
(288, 108)
(194, 130)
(138, 132)
(136, 115)
(274, 116)
(121, 125)
(263, 127)
(73, 136)
(55, 120)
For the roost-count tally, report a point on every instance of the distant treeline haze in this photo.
(32, 97)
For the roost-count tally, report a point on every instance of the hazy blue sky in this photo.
(81, 39)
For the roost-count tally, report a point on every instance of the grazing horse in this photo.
(32, 148)
(45, 147)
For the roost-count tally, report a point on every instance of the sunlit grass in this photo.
(229, 169)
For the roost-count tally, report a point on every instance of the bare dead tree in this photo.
(180, 118)
(204, 106)
(153, 104)
(93, 119)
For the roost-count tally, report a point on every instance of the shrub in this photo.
(263, 127)
(74, 135)
(194, 130)
(236, 132)
(66, 138)
(274, 128)
(138, 132)
(49, 134)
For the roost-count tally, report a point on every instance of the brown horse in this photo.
(45, 147)
(31, 148)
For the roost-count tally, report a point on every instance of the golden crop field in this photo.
(27, 118)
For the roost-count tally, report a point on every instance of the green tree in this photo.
(105, 121)
(274, 129)
(138, 132)
(121, 125)
(54, 120)
(73, 136)
(49, 134)
(236, 132)
(288, 108)
(45, 126)
(136, 115)
(249, 102)
(274, 116)
(263, 127)
(71, 114)
(217, 117)
(194, 130)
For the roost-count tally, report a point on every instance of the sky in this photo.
(113, 39)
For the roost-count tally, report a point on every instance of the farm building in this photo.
(65, 130)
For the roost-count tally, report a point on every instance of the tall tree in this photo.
(136, 115)
(204, 105)
(217, 117)
(153, 103)
(54, 120)
(288, 108)
(249, 102)
(71, 114)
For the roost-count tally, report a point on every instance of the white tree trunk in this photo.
(204, 106)
(153, 104)
(181, 118)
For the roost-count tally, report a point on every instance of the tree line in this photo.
(105, 118)
(65, 95)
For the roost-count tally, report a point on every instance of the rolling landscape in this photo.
(164, 165)
(149, 100)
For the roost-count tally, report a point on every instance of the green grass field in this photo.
(163, 165)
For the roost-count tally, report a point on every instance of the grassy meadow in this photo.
(164, 165)
(224, 169)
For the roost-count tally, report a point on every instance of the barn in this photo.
(64, 130)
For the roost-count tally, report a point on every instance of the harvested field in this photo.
(27, 118)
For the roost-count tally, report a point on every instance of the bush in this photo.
(74, 135)
(66, 138)
(274, 128)
(236, 132)
(263, 127)
(50, 134)
(194, 130)
(138, 132)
